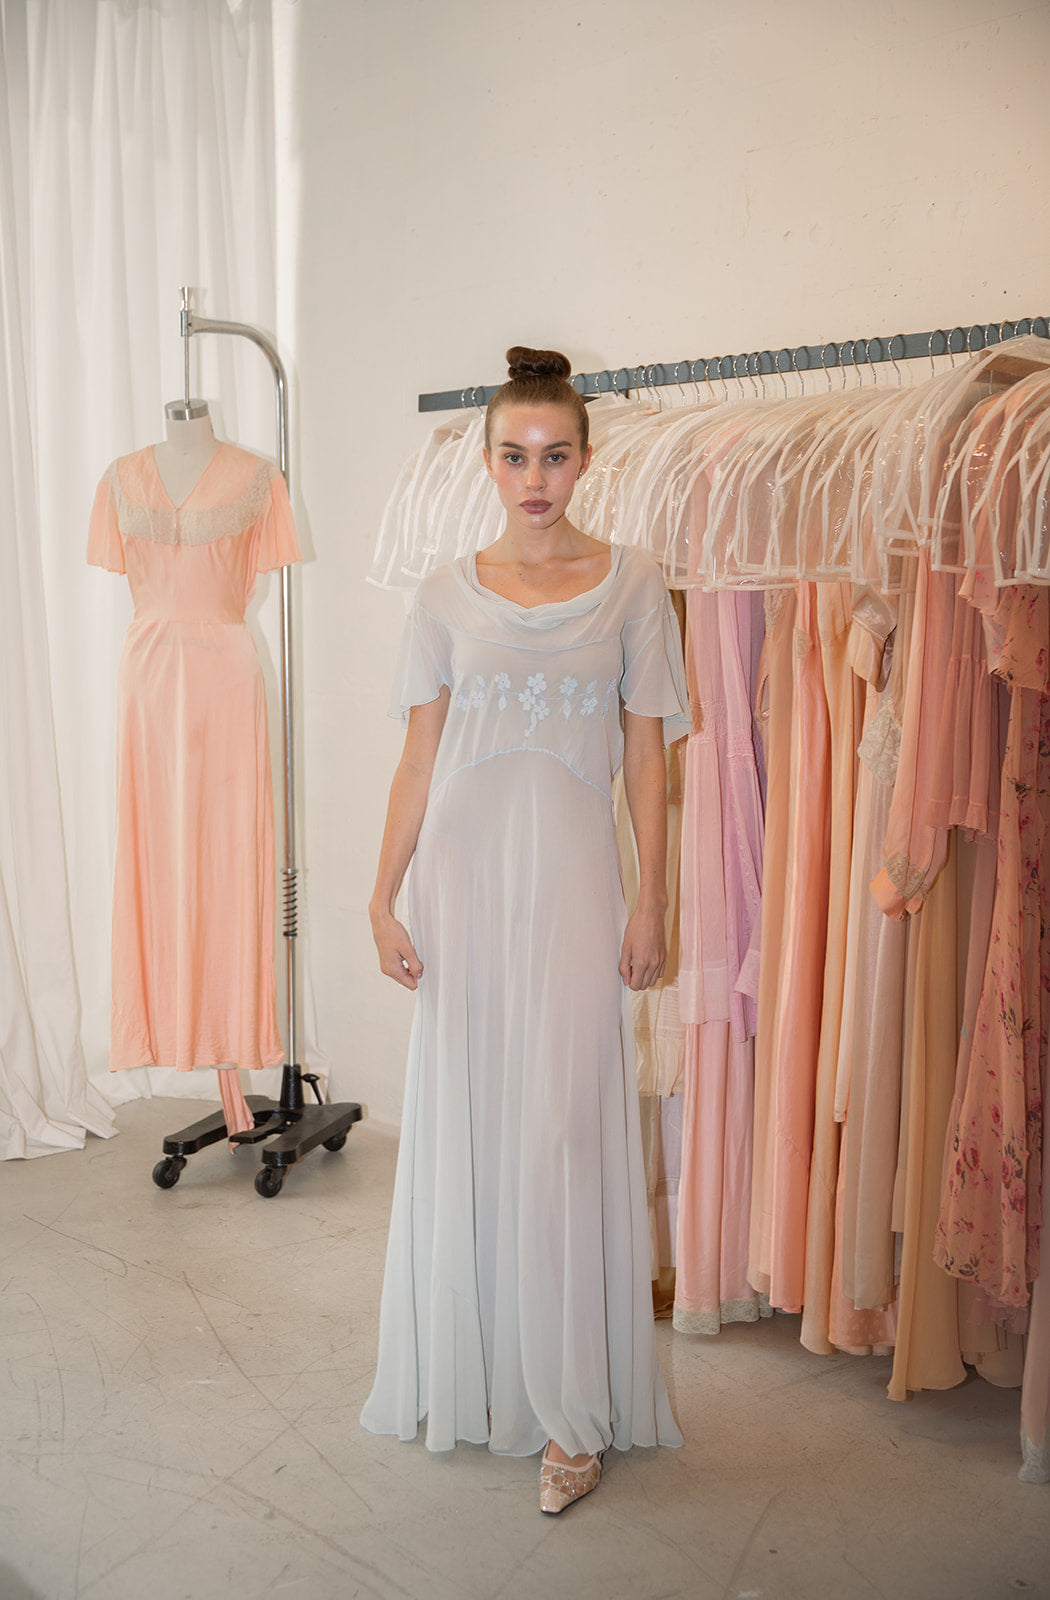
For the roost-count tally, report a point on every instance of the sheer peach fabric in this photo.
(868, 1092)
(193, 906)
(773, 699)
(801, 977)
(843, 692)
(927, 1354)
(914, 851)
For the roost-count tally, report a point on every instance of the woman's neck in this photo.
(537, 546)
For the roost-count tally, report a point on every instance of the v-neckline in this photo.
(194, 486)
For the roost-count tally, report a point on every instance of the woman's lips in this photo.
(535, 507)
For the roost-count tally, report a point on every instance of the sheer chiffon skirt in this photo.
(517, 1277)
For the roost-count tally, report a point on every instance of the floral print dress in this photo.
(988, 1231)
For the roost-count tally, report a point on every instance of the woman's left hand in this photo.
(644, 947)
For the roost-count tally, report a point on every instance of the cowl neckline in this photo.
(552, 612)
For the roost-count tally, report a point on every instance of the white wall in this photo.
(630, 182)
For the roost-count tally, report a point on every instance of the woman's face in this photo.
(535, 459)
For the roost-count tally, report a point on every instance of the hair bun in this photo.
(525, 363)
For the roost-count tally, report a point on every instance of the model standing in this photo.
(516, 1303)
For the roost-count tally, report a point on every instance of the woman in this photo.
(516, 1304)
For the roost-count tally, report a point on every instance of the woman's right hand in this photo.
(397, 956)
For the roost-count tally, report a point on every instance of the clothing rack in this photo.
(769, 363)
(292, 1128)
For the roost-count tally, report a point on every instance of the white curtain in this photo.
(46, 1102)
(137, 155)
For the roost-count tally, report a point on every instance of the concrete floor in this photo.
(182, 1377)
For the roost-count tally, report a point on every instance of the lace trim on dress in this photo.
(774, 603)
(712, 1322)
(1036, 1458)
(906, 878)
(880, 748)
(179, 525)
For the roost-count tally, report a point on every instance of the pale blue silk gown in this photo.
(517, 1281)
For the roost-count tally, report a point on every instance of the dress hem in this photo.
(203, 1066)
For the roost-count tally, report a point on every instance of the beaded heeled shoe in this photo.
(561, 1486)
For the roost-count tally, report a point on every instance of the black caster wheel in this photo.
(268, 1182)
(336, 1142)
(167, 1173)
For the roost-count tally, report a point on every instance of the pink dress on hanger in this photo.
(773, 713)
(193, 900)
(721, 908)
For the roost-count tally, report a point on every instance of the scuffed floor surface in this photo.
(182, 1378)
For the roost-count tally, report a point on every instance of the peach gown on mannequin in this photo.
(193, 906)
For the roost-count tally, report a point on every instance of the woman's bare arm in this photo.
(404, 817)
(645, 781)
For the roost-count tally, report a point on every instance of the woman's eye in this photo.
(512, 460)
(555, 459)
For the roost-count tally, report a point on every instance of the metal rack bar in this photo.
(765, 363)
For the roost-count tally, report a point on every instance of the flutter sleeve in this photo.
(653, 679)
(424, 663)
(278, 540)
(105, 548)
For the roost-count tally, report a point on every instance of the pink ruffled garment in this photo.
(988, 1231)
(922, 875)
(721, 875)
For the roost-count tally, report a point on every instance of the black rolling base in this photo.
(294, 1129)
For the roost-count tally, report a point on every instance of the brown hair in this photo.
(538, 378)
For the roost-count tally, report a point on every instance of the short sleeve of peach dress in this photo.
(193, 901)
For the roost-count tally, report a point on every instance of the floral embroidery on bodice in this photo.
(551, 679)
(536, 700)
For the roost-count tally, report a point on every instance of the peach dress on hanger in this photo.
(193, 902)
(773, 713)
(801, 978)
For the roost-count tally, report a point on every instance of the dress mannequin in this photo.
(188, 447)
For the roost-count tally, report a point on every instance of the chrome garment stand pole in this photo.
(290, 1128)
